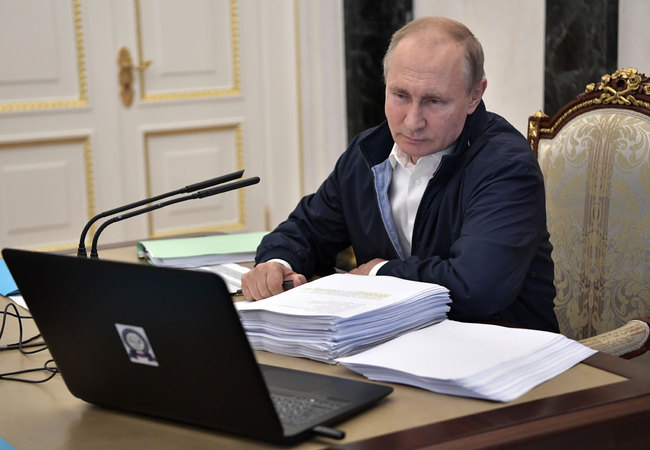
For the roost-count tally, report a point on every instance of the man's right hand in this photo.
(266, 280)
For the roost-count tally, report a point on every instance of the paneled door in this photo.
(106, 103)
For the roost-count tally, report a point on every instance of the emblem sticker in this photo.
(136, 344)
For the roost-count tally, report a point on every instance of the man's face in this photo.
(426, 95)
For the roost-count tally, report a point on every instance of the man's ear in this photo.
(476, 95)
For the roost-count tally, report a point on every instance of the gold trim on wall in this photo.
(239, 158)
(88, 168)
(210, 93)
(90, 180)
(82, 100)
(301, 134)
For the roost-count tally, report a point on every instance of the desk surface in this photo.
(603, 402)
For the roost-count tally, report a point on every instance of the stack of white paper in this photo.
(472, 360)
(341, 314)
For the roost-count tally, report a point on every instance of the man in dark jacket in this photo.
(443, 192)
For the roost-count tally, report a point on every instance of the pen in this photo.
(329, 432)
(288, 284)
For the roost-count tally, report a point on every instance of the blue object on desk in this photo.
(7, 285)
(3, 444)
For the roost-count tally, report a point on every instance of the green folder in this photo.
(201, 251)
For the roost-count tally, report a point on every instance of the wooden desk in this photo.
(602, 403)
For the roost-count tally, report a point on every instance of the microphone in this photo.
(195, 195)
(81, 252)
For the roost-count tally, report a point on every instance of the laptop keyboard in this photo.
(297, 410)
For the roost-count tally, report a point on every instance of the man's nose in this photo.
(414, 119)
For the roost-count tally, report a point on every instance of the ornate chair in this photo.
(595, 157)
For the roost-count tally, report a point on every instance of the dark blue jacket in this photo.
(480, 229)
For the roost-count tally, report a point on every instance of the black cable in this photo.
(46, 367)
(21, 345)
(25, 344)
(14, 314)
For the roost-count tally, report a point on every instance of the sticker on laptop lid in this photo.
(136, 344)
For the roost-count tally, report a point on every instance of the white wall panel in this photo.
(41, 52)
(190, 44)
(634, 35)
(322, 81)
(45, 191)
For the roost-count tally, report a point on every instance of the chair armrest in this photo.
(628, 341)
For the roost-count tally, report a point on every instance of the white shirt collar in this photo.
(404, 160)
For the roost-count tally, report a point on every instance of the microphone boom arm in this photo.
(199, 194)
(81, 251)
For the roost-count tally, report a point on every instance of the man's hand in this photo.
(364, 269)
(266, 280)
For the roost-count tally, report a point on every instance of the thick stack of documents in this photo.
(471, 360)
(341, 314)
(201, 251)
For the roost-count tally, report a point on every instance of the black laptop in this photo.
(168, 343)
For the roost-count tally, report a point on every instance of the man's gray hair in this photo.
(473, 72)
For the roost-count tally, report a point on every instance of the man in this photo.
(443, 192)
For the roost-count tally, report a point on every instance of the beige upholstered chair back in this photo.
(595, 157)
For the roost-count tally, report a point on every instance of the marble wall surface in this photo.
(580, 46)
(369, 25)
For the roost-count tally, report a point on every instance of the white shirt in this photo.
(405, 192)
